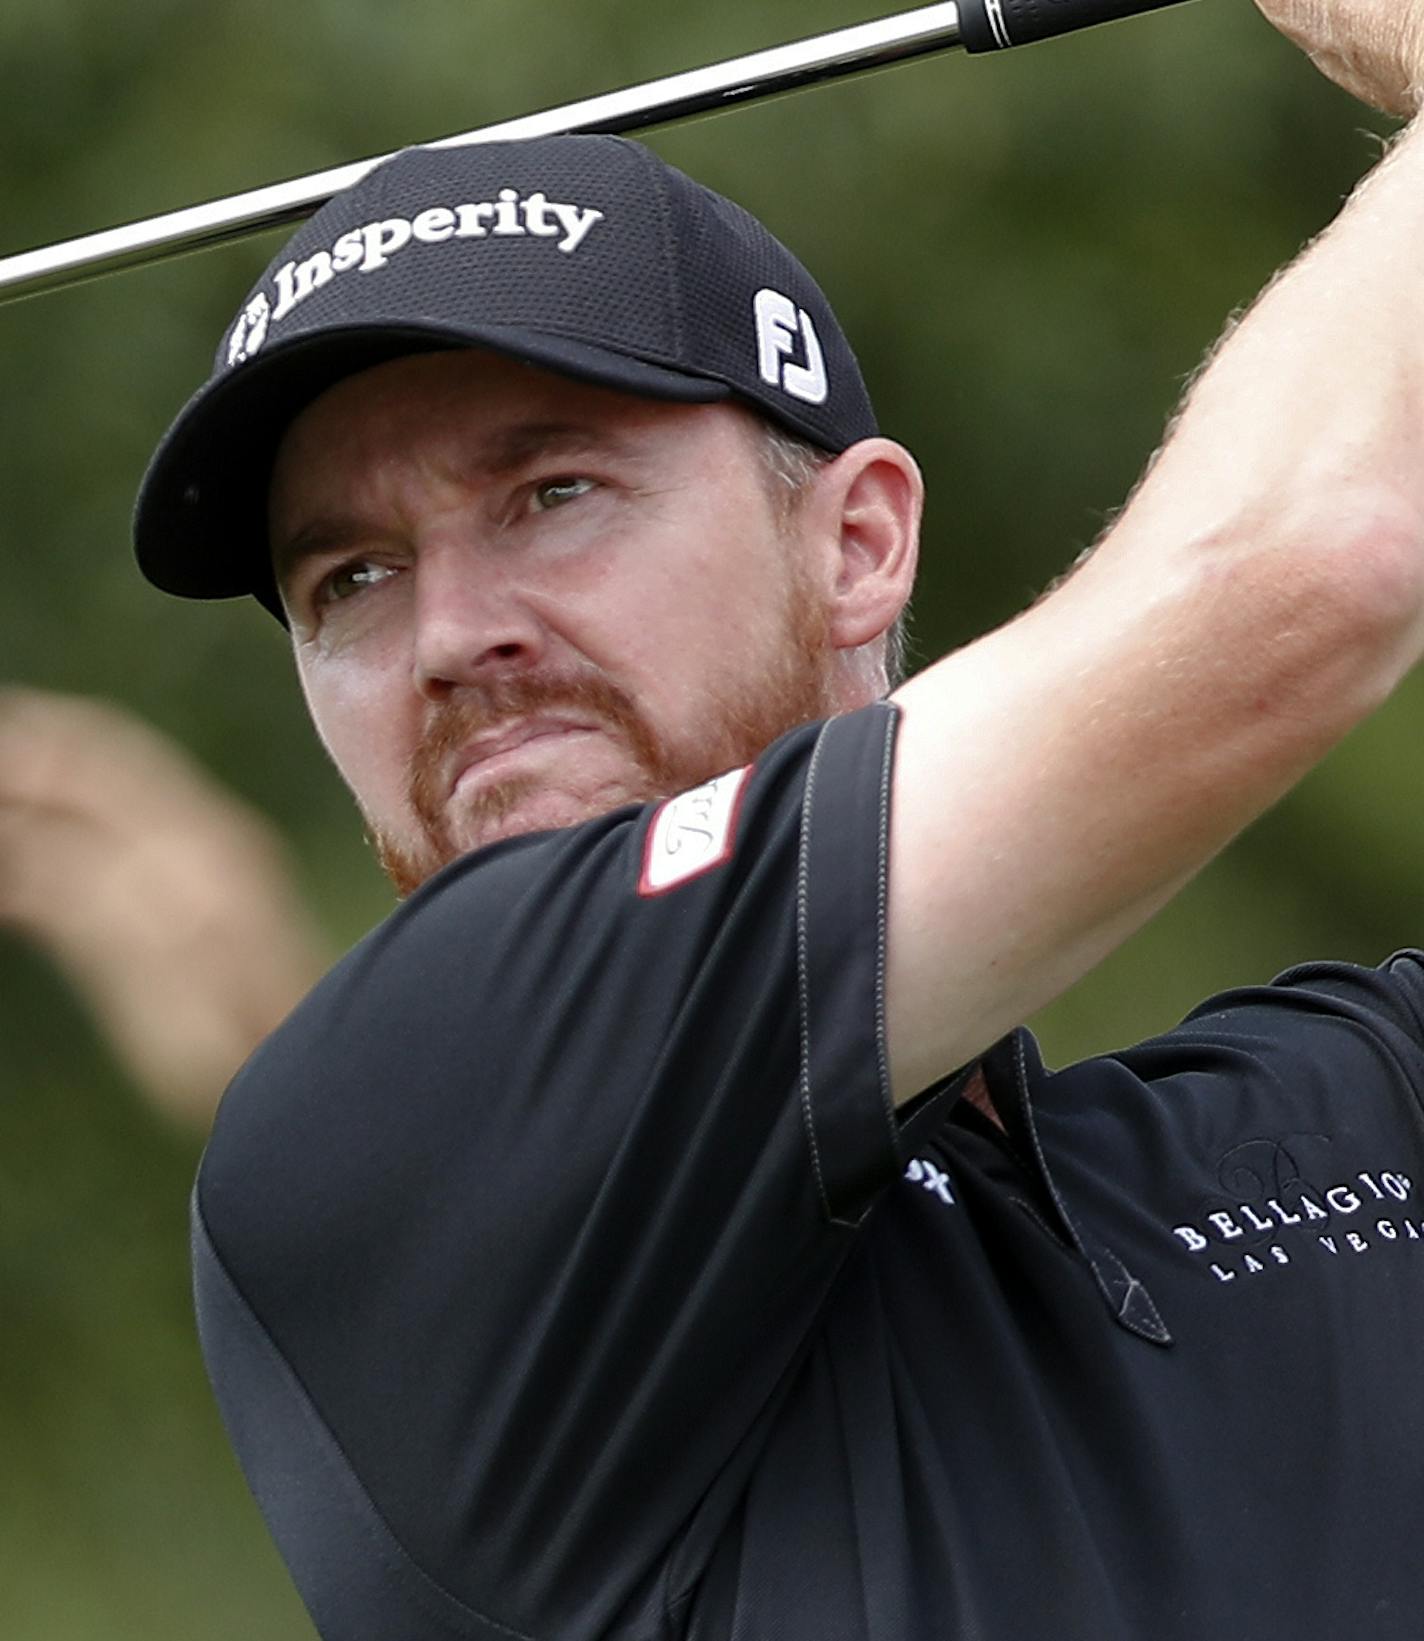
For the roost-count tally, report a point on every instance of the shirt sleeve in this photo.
(507, 1239)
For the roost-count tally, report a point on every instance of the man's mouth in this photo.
(485, 754)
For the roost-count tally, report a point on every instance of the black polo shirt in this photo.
(563, 1271)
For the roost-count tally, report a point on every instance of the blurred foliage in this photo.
(1033, 254)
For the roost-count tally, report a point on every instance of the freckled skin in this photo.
(625, 578)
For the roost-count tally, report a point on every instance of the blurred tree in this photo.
(1033, 254)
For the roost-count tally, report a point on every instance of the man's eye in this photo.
(346, 580)
(555, 492)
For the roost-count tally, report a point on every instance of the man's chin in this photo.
(513, 809)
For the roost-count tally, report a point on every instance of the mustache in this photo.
(476, 709)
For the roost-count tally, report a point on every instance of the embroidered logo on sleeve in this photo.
(692, 833)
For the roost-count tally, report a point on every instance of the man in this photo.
(651, 1230)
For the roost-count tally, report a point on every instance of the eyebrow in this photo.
(502, 453)
(511, 447)
(323, 535)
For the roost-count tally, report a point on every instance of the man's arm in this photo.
(1057, 781)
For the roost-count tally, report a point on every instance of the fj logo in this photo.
(922, 1172)
(250, 331)
(784, 334)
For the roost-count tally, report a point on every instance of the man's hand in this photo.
(1374, 48)
(164, 899)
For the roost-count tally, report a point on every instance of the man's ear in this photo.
(869, 511)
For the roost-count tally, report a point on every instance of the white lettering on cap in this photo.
(780, 325)
(370, 246)
(250, 331)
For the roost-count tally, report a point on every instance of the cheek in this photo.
(700, 598)
(716, 628)
(367, 728)
(676, 583)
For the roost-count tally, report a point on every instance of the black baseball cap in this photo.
(588, 256)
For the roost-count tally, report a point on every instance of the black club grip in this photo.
(990, 25)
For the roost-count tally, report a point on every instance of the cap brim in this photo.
(200, 522)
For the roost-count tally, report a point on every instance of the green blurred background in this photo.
(1032, 254)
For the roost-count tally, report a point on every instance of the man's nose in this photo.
(473, 620)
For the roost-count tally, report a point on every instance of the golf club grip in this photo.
(991, 25)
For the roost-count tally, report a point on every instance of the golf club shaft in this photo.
(976, 25)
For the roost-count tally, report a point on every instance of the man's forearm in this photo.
(1305, 433)
(1259, 596)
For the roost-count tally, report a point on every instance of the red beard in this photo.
(733, 728)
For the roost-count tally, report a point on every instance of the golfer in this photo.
(658, 1228)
